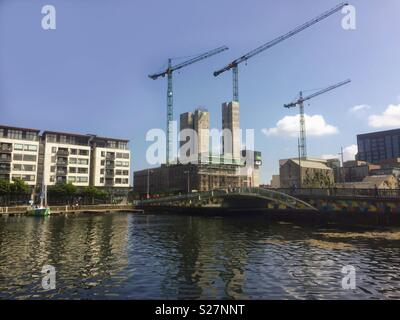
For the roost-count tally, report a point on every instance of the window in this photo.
(52, 178)
(103, 154)
(126, 173)
(125, 163)
(17, 167)
(83, 152)
(74, 151)
(118, 172)
(29, 147)
(71, 179)
(29, 157)
(83, 161)
(18, 146)
(17, 157)
(82, 179)
(82, 170)
(125, 181)
(101, 171)
(111, 144)
(28, 177)
(31, 136)
(63, 139)
(29, 167)
(52, 169)
(118, 181)
(118, 163)
(122, 145)
(126, 155)
(119, 155)
(101, 180)
(72, 160)
(51, 138)
(72, 170)
(15, 134)
(102, 162)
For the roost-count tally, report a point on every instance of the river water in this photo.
(137, 256)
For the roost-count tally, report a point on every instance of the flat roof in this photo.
(378, 133)
(106, 138)
(66, 134)
(19, 128)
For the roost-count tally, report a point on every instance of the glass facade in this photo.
(377, 146)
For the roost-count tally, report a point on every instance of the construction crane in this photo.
(235, 63)
(300, 103)
(168, 72)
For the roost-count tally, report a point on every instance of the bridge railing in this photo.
(345, 192)
(278, 196)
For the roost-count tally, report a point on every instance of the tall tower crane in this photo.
(168, 72)
(235, 63)
(300, 103)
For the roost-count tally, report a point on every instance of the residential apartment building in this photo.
(378, 146)
(66, 158)
(19, 149)
(110, 162)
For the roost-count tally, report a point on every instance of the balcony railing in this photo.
(5, 148)
(63, 153)
(8, 160)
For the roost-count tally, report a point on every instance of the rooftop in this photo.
(19, 128)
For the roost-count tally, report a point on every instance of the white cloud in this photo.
(349, 153)
(389, 118)
(360, 108)
(289, 126)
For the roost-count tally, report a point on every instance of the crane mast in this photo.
(300, 103)
(235, 63)
(170, 95)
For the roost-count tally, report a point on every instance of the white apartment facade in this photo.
(19, 149)
(66, 158)
(111, 162)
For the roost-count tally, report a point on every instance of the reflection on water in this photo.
(181, 257)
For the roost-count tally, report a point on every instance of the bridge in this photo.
(236, 198)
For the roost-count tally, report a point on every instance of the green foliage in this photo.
(5, 187)
(18, 186)
(65, 190)
(94, 193)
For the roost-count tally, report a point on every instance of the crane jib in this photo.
(281, 38)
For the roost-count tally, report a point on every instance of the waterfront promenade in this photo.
(104, 208)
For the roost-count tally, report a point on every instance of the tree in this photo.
(62, 192)
(93, 193)
(5, 187)
(19, 187)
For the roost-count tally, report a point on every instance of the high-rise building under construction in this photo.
(231, 131)
(194, 135)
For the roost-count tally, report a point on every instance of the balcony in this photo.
(6, 148)
(5, 159)
(61, 172)
(5, 170)
(64, 153)
(110, 156)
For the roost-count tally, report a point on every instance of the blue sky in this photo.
(90, 74)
